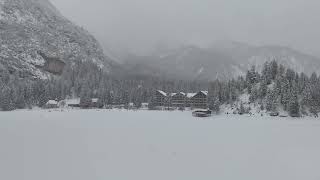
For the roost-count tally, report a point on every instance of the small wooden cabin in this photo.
(95, 103)
(52, 104)
(74, 103)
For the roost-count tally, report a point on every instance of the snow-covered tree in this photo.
(271, 101)
(85, 97)
(242, 110)
(7, 103)
(214, 105)
(294, 106)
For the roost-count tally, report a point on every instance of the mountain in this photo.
(37, 41)
(247, 55)
(221, 60)
(189, 62)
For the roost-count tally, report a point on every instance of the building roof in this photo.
(72, 101)
(205, 92)
(52, 102)
(202, 92)
(190, 95)
(182, 93)
(162, 92)
(94, 100)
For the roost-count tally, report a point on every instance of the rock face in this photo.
(37, 41)
(53, 65)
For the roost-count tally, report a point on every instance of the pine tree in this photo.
(126, 99)
(137, 100)
(7, 103)
(307, 96)
(252, 76)
(215, 105)
(263, 89)
(28, 96)
(314, 111)
(41, 93)
(271, 101)
(274, 69)
(285, 93)
(151, 103)
(266, 73)
(109, 98)
(242, 110)
(85, 97)
(20, 102)
(254, 94)
(294, 106)
(290, 76)
(5, 77)
(314, 78)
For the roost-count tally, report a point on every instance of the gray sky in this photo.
(139, 24)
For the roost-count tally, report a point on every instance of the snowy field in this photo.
(150, 145)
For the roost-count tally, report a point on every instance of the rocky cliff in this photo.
(33, 33)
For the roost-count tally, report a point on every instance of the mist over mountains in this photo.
(33, 34)
(222, 60)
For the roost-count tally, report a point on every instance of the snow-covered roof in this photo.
(94, 100)
(72, 101)
(162, 92)
(190, 95)
(182, 93)
(205, 92)
(52, 102)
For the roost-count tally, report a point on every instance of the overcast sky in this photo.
(139, 24)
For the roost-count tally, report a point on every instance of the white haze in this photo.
(140, 24)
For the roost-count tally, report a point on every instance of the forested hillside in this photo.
(273, 90)
(33, 35)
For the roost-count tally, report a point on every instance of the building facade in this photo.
(51, 104)
(179, 100)
(194, 100)
(200, 100)
(161, 98)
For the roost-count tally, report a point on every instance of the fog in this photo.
(137, 25)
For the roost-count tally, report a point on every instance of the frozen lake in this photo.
(150, 145)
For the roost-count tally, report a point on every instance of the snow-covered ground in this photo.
(151, 145)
